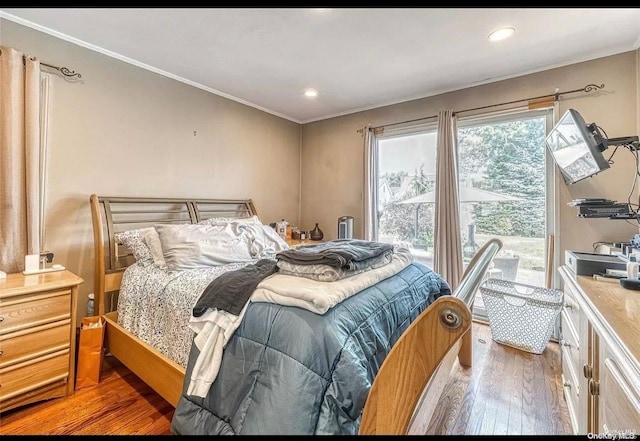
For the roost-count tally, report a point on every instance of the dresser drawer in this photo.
(571, 391)
(34, 342)
(26, 311)
(24, 377)
(570, 347)
(571, 308)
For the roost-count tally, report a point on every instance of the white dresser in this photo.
(600, 342)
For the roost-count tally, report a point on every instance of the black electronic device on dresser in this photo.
(601, 207)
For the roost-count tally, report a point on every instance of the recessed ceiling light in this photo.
(501, 34)
(310, 93)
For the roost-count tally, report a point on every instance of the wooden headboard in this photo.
(111, 215)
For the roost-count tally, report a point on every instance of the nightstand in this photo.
(37, 337)
(296, 243)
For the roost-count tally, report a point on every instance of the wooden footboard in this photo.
(412, 377)
(161, 373)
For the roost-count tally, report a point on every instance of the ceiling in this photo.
(356, 58)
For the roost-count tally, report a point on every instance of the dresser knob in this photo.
(566, 383)
(1, 352)
(567, 343)
(1, 319)
(568, 305)
(594, 387)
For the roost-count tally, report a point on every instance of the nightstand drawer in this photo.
(23, 377)
(25, 311)
(34, 342)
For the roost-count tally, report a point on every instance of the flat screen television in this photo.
(577, 147)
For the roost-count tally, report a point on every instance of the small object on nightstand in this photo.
(31, 263)
(316, 233)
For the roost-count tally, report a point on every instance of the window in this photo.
(406, 183)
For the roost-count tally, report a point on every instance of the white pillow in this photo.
(151, 238)
(190, 246)
(221, 220)
(265, 242)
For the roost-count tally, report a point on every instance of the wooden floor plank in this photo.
(514, 426)
(526, 389)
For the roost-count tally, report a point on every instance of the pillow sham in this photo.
(222, 220)
(264, 241)
(151, 238)
(133, 240)
(190, 246)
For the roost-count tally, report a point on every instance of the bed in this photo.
(344, 347)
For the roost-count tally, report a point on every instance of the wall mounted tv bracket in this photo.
(630, 142)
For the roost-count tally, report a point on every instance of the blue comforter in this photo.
(289, 371)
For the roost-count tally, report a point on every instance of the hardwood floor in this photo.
(121, 404)
(507, 391)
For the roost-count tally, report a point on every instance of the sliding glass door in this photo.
(503, 191)
(502, 183)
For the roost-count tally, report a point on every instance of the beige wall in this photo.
(332, 150)
(125, 131)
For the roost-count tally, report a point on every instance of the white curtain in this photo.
(370, 196)
(447, 259)
(19, 158)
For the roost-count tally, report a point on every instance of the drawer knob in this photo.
(568, 305)
(594, 387)
(566, 383)
(1, 352)
(1, 319)
(567, 343)
(587, 370)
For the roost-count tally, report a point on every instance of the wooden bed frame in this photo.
(111, 215)
(114, 214)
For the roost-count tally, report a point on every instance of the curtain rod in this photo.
(556, 96)
(63, 70)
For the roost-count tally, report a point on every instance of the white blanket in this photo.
(214, 329)
(318, 296)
